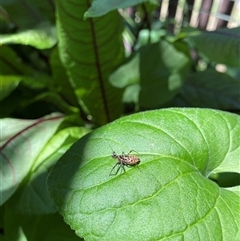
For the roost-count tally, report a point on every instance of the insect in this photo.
(124, 160)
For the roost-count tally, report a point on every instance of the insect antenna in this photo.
(109, 145)
(132, 151)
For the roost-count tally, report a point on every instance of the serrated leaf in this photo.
(21, 143)
(90, 50)
(171, 196)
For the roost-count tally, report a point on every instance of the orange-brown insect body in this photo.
(124, 160)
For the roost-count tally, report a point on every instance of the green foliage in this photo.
(63, 74)
(218, 47)
(49, 227)
(42, 37)
(201, 91)
(171, 196)
(90, 58)
(167, 71)
(161, 200)
(101, 7)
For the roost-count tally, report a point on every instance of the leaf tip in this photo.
(86, 16)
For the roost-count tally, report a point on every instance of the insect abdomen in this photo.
(131, 160)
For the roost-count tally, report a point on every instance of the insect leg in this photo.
(139, 168)
(123, 168)
(120, 166)
(110, 174)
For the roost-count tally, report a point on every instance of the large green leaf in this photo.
(170, 195)
(220, 46)
(90, 50)
(21, 143)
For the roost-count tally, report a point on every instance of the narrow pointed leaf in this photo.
(90, 50)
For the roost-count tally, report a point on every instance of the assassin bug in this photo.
(124, 160)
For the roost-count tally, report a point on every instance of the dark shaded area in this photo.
(227, 179)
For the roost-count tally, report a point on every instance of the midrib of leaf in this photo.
(37, 122)
(90, 50)
(171, 198)
(101, 83)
